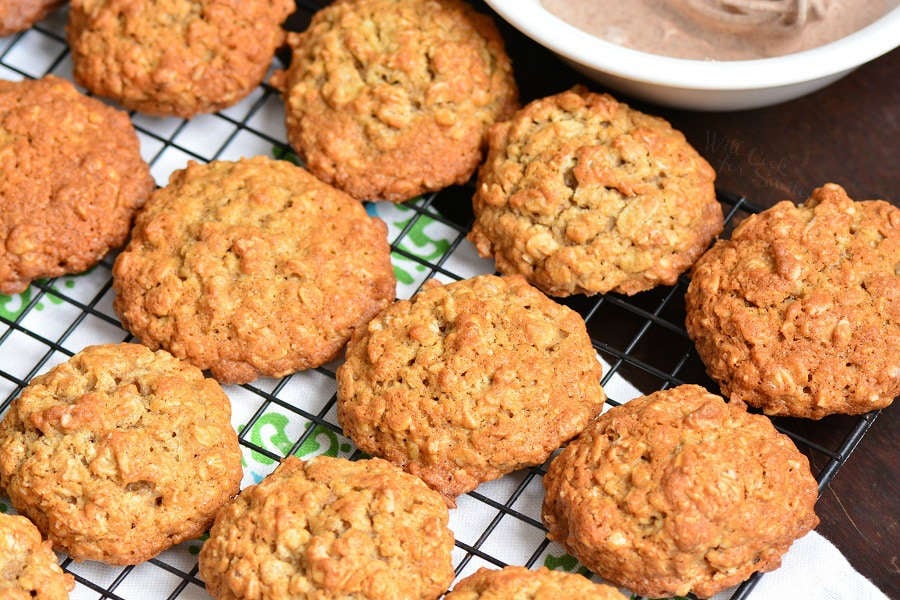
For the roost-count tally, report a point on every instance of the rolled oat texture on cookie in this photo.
(679, 492)
(388, 99)
(519, 583)
(28, 567)
(120, 453)
(799, 312)
(582, 194)
(468, 381)
(330, 528)
(71, 178)
(174, 57)
(19, 15)
(252, 268)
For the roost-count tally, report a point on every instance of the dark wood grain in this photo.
(848, 133)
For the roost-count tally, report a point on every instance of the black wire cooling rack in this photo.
(641, 338)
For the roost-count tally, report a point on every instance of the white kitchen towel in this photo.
(814, 569)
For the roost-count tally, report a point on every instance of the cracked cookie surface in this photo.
(387, 99)
(679, 492)
(120, 453)
(330, 528)
(583, 195)
(28, 567)
(174, 57)
(71, 177)
(252, 268)
(468, 381)
(799, 312)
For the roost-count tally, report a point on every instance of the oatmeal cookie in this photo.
(583, 195)
(468, 381)
(252, 268)
(19, 15)
(120, 453)
(799, 313)
(679, 492)
(519, 583)
(387, 99)
(330, 528)
(28, 567)
(174, 57)
(71, 177)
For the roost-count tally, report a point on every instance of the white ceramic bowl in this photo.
(701, 84)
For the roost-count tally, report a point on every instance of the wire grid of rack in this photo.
(641, 339)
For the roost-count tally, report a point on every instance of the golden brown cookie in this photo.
(252, 268)
(466, 382)
(18, 15)
(28, 567)
(679, 492)
(583, 195)
(519, 583)
(120, 453)
(330, 528)
(799, 313)
(174, 57)
(71, 177)
(387, 99)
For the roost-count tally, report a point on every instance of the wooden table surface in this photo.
(848, 133)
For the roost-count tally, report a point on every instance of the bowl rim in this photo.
(532, 19)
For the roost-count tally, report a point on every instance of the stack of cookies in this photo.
(260, 268)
